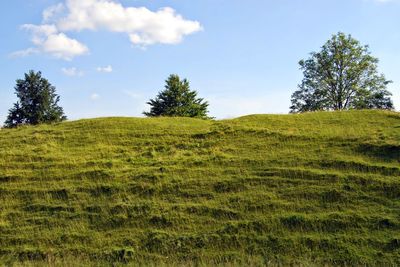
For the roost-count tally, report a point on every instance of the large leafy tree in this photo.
(177, 100)
(38, 102)
(343, 75)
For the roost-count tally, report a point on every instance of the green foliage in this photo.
(343, 75)
(38, 102)
(312, 189)
(177, 100)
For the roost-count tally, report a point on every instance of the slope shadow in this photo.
(386, 152)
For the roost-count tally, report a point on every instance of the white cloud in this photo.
(40, 32)
(143, 26)
(72, 71)
(61, 46)
(51, 12)
(25, 52)
(48, 40)
(94, 96)
(107, 69)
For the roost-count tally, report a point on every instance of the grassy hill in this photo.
(312, 189)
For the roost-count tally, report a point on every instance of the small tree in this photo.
(177, 100)
(343, 75)
(38, 102)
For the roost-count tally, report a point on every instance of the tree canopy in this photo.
(343, 75)
(177, 100)
(38, 102)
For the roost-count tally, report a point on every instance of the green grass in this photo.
(311, 189)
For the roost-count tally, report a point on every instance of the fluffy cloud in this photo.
(47, 39)
(107, 69)
(143, 26)
(72, 71)
(52, 11)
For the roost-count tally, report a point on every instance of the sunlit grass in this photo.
(311, 189)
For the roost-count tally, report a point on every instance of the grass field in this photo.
(309, 189)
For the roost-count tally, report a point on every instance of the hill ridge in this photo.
(313, 189)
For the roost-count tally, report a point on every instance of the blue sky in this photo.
(108, 57)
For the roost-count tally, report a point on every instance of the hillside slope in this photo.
(264, 189)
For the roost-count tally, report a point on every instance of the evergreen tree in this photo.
(343, 75)
(177, 100)
(38, 102)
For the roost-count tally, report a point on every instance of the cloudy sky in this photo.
(108, 57)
